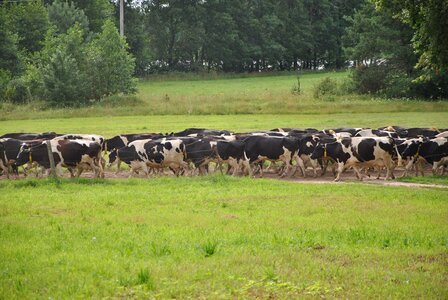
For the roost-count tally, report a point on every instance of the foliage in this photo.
(29, 20)
(64, 15)
(326, 86)
(110, 65)
(430, 24)
(5, 77)
(10, 58)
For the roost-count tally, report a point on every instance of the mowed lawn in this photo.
(221, 237)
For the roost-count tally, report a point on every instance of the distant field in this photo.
(225, 96)
(220, 237)
(110, 126)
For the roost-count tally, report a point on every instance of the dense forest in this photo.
(69, 52)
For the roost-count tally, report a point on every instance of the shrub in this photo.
(397, 84)
(5, 77)
(17, 91)
(326, 86)
(369, 79)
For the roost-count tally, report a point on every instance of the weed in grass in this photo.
(145, 278)
(209, 248)
(160, 249)
(270, 274)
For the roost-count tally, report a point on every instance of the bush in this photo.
(326, 87)
(369, 80)
(431, 86)
(17, 91)
(5, 77)
(397, 84)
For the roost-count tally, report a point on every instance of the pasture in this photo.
(269, 95)
(215, 236)
(220, 237)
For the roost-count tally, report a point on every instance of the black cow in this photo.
(31, 136)
(66, 153)
(201, 132)
(422, 132)
(200, 153)
(3, 161)
(352, 131)
(434, 151)
(261, 148)
(232, 153)
(359, 152)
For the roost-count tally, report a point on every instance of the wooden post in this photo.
(51, 159)
(121, 18)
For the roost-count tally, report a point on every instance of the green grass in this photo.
(428, 179)
(226, 96)
(110, 126)
(220, 237)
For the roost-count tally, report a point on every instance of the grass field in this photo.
(220, 237)
(215, 236)
(110, 126)
(248, 95)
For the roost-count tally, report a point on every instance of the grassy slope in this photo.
(251, 95)
(273, 239)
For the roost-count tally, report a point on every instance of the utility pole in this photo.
(122, 17)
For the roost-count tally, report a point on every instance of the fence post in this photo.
(51, 159)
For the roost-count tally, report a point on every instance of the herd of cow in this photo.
(192, 150)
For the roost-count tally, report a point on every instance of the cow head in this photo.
(412, 149)
(112, 157)
(318, 151)
(24, 156)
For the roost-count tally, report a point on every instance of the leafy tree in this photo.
(64, 15)
(429, 20)
(10, 60)
(110, 66)
(30, 22)
(60, 68)
(97, 12)
(380, 48)
(137, 35)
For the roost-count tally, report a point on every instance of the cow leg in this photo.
(358, 173)
(339, 170)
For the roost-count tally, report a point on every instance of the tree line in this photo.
(397, 48)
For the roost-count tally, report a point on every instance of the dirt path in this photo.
(347, 177)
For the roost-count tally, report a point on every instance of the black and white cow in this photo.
(266, 148)
(307, 144)
(12, 148)
(122, 140)
(66, 153)
(359, 152)
(88, 137)
(434, 151)
(376, 132)
(142, 154)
